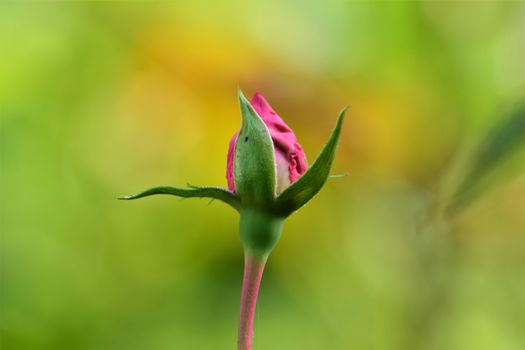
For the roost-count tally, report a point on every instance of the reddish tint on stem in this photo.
(253, 271)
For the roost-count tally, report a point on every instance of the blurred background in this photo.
(421, 246)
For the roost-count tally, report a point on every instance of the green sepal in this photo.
(219, 193)
(311, 182)
(254, 163)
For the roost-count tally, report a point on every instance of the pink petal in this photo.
(284, 139)
(229, 163)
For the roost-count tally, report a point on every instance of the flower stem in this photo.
(253, 271)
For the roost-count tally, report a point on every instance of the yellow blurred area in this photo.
(106, 98)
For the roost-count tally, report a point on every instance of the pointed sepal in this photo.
(254, 162)
(219, 193)
(311, 182)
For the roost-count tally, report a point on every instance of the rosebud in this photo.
(289, 158)
(268, 179)
(266, 168)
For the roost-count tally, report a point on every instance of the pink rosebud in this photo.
(290, 160)
(268, 160)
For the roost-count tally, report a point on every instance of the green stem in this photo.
(253, 271)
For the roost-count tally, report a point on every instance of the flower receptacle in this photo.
(260, 231)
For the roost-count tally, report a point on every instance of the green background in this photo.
(106, 98)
